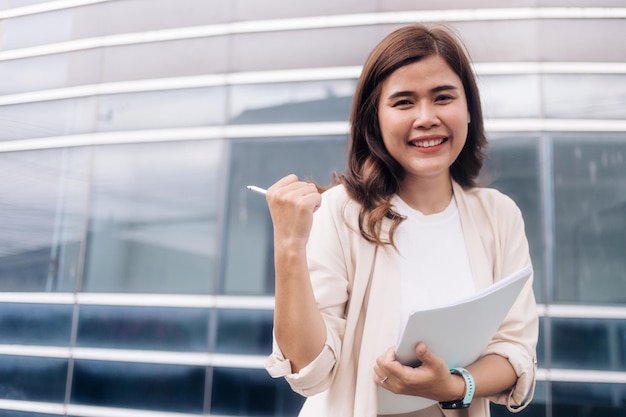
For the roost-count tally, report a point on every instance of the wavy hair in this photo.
(372, 175)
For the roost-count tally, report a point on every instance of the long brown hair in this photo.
(372, 175)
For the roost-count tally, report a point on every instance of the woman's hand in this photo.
(432, 379)
(292, 204)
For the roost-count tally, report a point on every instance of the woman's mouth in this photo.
(427, 143)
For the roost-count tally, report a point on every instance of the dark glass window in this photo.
(248, 246)
(151, 328)
(321, 101)
(252, 392)
(13, 413)
(42, 324)
(29, 378)
(244, 331)
(573, 399)
(590, 216)
(153, 218)
(43, 209)
(513, 167)
(139, 385)
(586, 344)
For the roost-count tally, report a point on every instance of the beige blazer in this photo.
(357, 288)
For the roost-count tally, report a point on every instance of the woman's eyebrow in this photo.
(408, 93)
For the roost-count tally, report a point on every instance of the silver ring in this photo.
(382, 381)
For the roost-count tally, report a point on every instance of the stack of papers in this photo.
(458, 333)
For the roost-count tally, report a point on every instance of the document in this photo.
(457, 332)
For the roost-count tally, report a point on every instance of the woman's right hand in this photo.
(292, 204)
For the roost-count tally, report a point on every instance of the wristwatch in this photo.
(469, 391)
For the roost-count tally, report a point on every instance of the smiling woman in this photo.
(406, 228)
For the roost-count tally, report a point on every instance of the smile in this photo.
(427, 143)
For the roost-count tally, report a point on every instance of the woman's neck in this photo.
(428, 196)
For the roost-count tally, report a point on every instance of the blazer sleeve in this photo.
(328, 271)
(516, 339)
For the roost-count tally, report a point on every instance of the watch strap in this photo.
(469, 391)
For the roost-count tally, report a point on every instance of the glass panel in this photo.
(513, 167)
(315, 48)
(248, 392)
(47, 118)
(244, 331)
(177, 58)
(138, 385)
(37, 29)
(587, 344)
(41, 324)
(28, 378)
(42, 220)
(162, 109)
(151, 328)
(248, 265)
(13, 413)
(573, 399)
(153, 221)
(32, 74)
(291, 102)
(273, 9)
(585, 96)
(497, 91)
(590, 215)
(130, 16)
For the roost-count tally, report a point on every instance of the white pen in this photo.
(256, 189)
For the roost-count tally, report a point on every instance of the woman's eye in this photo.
(444, 98)
(402, 103)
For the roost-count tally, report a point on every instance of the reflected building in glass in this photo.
(136, 273)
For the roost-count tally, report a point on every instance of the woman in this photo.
(406, 228)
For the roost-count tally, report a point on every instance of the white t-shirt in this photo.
(434, 265)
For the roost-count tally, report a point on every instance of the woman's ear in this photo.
(469, 118)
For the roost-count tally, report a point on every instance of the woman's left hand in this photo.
(432, 379)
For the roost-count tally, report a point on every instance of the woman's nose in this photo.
(425, 116)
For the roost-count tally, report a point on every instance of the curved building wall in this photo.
(136, 270)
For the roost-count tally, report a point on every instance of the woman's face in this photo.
(423, 117)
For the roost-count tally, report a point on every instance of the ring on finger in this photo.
(382, 381)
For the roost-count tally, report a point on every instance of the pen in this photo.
(256, 189)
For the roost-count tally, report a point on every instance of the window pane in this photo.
(248, 264)
(585, 96)
(161, 109)
(244, 331)
(137, 385)
(47, 118)
(572, 399)
(41, 324)
(291, 102)
(37, 29)
(587, 344)
(32, 379)
(42, 218)
(513, 168)
(590, 215)
(496, 92)
(151, 328)
(153, 217)
(252, 392)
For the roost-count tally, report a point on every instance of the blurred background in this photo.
(136, 269)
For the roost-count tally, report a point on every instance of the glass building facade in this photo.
(136, 274)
